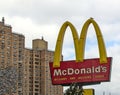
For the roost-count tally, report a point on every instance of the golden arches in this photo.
(101, 45)
(58, 49)
(79, 43)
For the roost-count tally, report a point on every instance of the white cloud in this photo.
(37, 18)
(32, 30)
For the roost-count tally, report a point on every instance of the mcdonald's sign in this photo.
(81, 70)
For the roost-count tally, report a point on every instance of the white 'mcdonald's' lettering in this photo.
(78, 71)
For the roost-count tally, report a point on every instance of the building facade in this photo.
(11, 60)
(29, 68)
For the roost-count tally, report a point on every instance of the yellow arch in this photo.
(58, 49)
(79, 44)
(101, 45)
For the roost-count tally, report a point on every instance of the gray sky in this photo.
(37, 18)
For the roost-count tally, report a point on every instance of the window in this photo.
(36, 93)
(36, 82)
(3, 37)
(3, 41)
(3, 32)
(2, 56)
(36, 62)
(36, 85)
(36, 90)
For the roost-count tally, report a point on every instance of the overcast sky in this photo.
(37, 18)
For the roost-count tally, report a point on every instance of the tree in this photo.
(8, 80)
(74, 89)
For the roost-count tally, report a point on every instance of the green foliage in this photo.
(74, 89)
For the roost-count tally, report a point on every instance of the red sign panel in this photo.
(81, 72)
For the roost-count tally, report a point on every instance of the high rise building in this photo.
(11, 60)
(37, 70)
(28, 69)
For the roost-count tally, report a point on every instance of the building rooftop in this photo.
(3, 22)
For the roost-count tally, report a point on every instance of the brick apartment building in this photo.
(24, 71)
